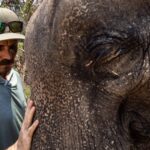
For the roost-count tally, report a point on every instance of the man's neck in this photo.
(6, 76)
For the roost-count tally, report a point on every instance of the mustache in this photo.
(6, 62)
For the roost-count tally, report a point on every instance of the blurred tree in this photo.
(27, 10)
(23, 8)
(14, 5)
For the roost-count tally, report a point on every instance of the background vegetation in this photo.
(23, 8)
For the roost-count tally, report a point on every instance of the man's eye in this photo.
(1, 47)
(13, 48)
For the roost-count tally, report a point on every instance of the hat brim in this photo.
(11, 36)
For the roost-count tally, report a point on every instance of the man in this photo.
(12, 100)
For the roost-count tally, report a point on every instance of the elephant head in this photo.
(89, 69)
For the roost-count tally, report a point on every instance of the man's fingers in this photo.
(29, 115)
(29, 104)
(33, 127)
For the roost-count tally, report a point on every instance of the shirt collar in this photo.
(11, 79)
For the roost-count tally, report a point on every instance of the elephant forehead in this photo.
(56, 21)
(58, 27)
(60, 20)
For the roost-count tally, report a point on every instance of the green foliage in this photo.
(27, 91)
(20, 66)
(27, 10)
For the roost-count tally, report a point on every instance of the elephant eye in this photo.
(102, 49)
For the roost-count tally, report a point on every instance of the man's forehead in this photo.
(8, 42)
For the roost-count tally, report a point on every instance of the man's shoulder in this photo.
(15, 72)
(14, 78)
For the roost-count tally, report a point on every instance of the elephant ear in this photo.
(134, 123)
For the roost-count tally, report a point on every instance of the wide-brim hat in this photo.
(6, 16)
(11, 36)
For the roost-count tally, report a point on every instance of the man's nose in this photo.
(6, 53)
(7, 29)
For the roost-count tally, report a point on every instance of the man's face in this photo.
(8, 50)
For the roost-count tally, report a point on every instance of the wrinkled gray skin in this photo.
(88, 65)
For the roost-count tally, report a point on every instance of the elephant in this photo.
(88, 64)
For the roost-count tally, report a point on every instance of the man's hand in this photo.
(27, 130)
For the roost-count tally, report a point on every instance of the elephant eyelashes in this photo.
(103, 53)
(104, 48)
